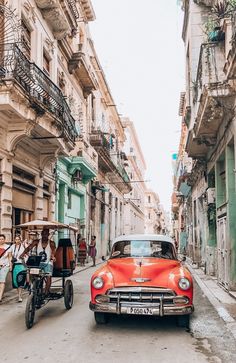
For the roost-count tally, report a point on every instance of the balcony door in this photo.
(222, 251)
(21, 216)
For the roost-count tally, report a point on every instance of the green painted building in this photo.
(72, 176)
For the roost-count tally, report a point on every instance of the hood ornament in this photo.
(140, 279)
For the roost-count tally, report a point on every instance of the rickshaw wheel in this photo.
(68, 294)
(30, 312)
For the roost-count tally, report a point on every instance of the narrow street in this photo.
(69, 336)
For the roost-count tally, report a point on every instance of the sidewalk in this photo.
(224, 302)
(11, 295)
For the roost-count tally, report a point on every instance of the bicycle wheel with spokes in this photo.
(30, 311)
(68, 294)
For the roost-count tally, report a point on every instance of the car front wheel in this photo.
(101, 318)
(183, 321)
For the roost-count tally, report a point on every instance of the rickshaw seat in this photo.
(65, 258)
(64, 242)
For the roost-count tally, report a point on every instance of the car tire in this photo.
(183, 321)
(101, 318)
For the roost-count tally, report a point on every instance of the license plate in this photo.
(140, 311)
(34, 271)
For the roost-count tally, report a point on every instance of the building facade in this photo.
(112, 182)
(37, 124)
(155, 217)
(62, 142)
(60, 135)
(209, 114)
(134, 206)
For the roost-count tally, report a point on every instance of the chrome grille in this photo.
(141, 295)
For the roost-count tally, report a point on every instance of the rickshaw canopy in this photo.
(40, 224)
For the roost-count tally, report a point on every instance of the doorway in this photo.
(222, 251)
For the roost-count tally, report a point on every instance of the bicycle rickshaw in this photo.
(63, 267)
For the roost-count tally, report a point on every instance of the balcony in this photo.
(89, 14)
(78, 65)
(212, 92)
(230, 65)
(187, 115)
(120, 179)
(73, 9)
(100, 142)
(197, 148)
(79, 163)
(55, 16)
(42, 94)
(114, 170)
(86, 151)
(174, 203)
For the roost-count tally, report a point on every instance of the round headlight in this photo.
(97, 282)
(184, 283)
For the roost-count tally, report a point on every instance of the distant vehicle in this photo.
(143, 277)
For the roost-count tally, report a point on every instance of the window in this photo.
(93, 109)
(69, 199)
(46, 63)
(46, 200)
(46, 186)
(26, 39)
(23, 174)
(110, 199)
(149, 199)
(21, 216)
(143, 248)
(61, 81)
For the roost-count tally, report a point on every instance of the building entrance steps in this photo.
(224, 302)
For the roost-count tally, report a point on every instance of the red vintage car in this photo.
(142, 276)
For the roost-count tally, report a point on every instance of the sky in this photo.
(141, 51)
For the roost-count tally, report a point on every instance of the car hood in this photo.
(145, 271)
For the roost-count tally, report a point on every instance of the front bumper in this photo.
(157, 309)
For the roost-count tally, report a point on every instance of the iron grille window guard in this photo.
(43, 94)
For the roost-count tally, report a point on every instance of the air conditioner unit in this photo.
(210, 193)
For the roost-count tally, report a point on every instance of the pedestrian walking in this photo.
(82, 251)
(18, 265)
(5, 263)
(93, 250)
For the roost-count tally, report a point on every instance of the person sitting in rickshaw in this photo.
(46, 248)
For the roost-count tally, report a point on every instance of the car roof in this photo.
(144, 237)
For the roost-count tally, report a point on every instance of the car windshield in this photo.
(143, 248)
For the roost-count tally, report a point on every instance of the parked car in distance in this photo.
(142, 276)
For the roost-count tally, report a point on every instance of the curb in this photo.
(25, 293)
(221, 311)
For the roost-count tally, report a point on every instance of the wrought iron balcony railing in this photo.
(73, 9)
(210, 68)
(123, 173)
(108, 157)
(42, 93)
(100, 139)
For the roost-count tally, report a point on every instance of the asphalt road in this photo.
(72, 336)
